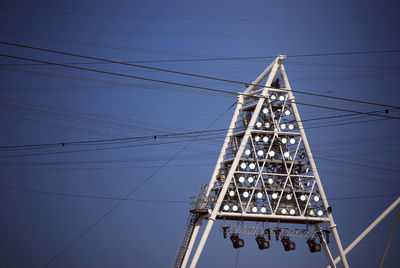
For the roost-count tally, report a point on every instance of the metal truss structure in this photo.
(265, 172)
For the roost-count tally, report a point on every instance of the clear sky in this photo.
(52, 194)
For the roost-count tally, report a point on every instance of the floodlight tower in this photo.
(265, 173)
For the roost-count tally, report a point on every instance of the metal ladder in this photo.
(185, 240)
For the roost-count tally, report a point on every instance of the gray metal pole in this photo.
(326, 247)
(390, 239)
(369, 228)
(314, 168)
(191, 243)
(228, 180)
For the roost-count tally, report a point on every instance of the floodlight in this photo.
(250, 179)
(274, 196)
(246, 194)
(320, 213)
(316, 198)
(247, 152)
(258, 124)
(311, 212)
(254, 209)
(257, 138)
(283, 211)
(226, 207)
(252, 166)
(236, 241)
(283, 126)
(289, 196)
(265, 139)
(243, 165)
(263, 210)
(281, 97)
(273, 97)
(231, 193)
(292, 211)
(241, 179)
(287, 112)
(270, 180)
(291, 126)
(314, 246)
(260, 153)
(292, 141)
(303, 197)
(262, 243)
(259, 195)
(271, 153)
(265, 110)
(235, 208)
(284, 140)
(286, 154)
(267, 125)
(287, 244)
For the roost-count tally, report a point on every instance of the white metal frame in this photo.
(215, 213)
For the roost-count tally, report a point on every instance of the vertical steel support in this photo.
(389, 239)
(325, 247)
(313, 167)
(228, 180)
(369, 228)
(191, 242)
(239, 106)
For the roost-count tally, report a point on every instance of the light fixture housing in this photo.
(262, 242)
(314, 246)
(237, 242)
(287, 244)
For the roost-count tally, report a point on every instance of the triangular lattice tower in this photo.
(265, 172)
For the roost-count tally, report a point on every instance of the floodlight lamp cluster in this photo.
(263, 240)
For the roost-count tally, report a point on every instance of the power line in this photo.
(212, 134)
(131, 192)
(185, 85)
(96, 142)
(75, 195)
(208, 77)
(119, 74)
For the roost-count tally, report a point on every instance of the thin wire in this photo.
(119, 74)
(180, 84)
(130, 193)
(96, 142)
(214, 135)
(74, 195)
(209, 77)
(237, 258)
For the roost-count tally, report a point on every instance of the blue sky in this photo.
(49, 199)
